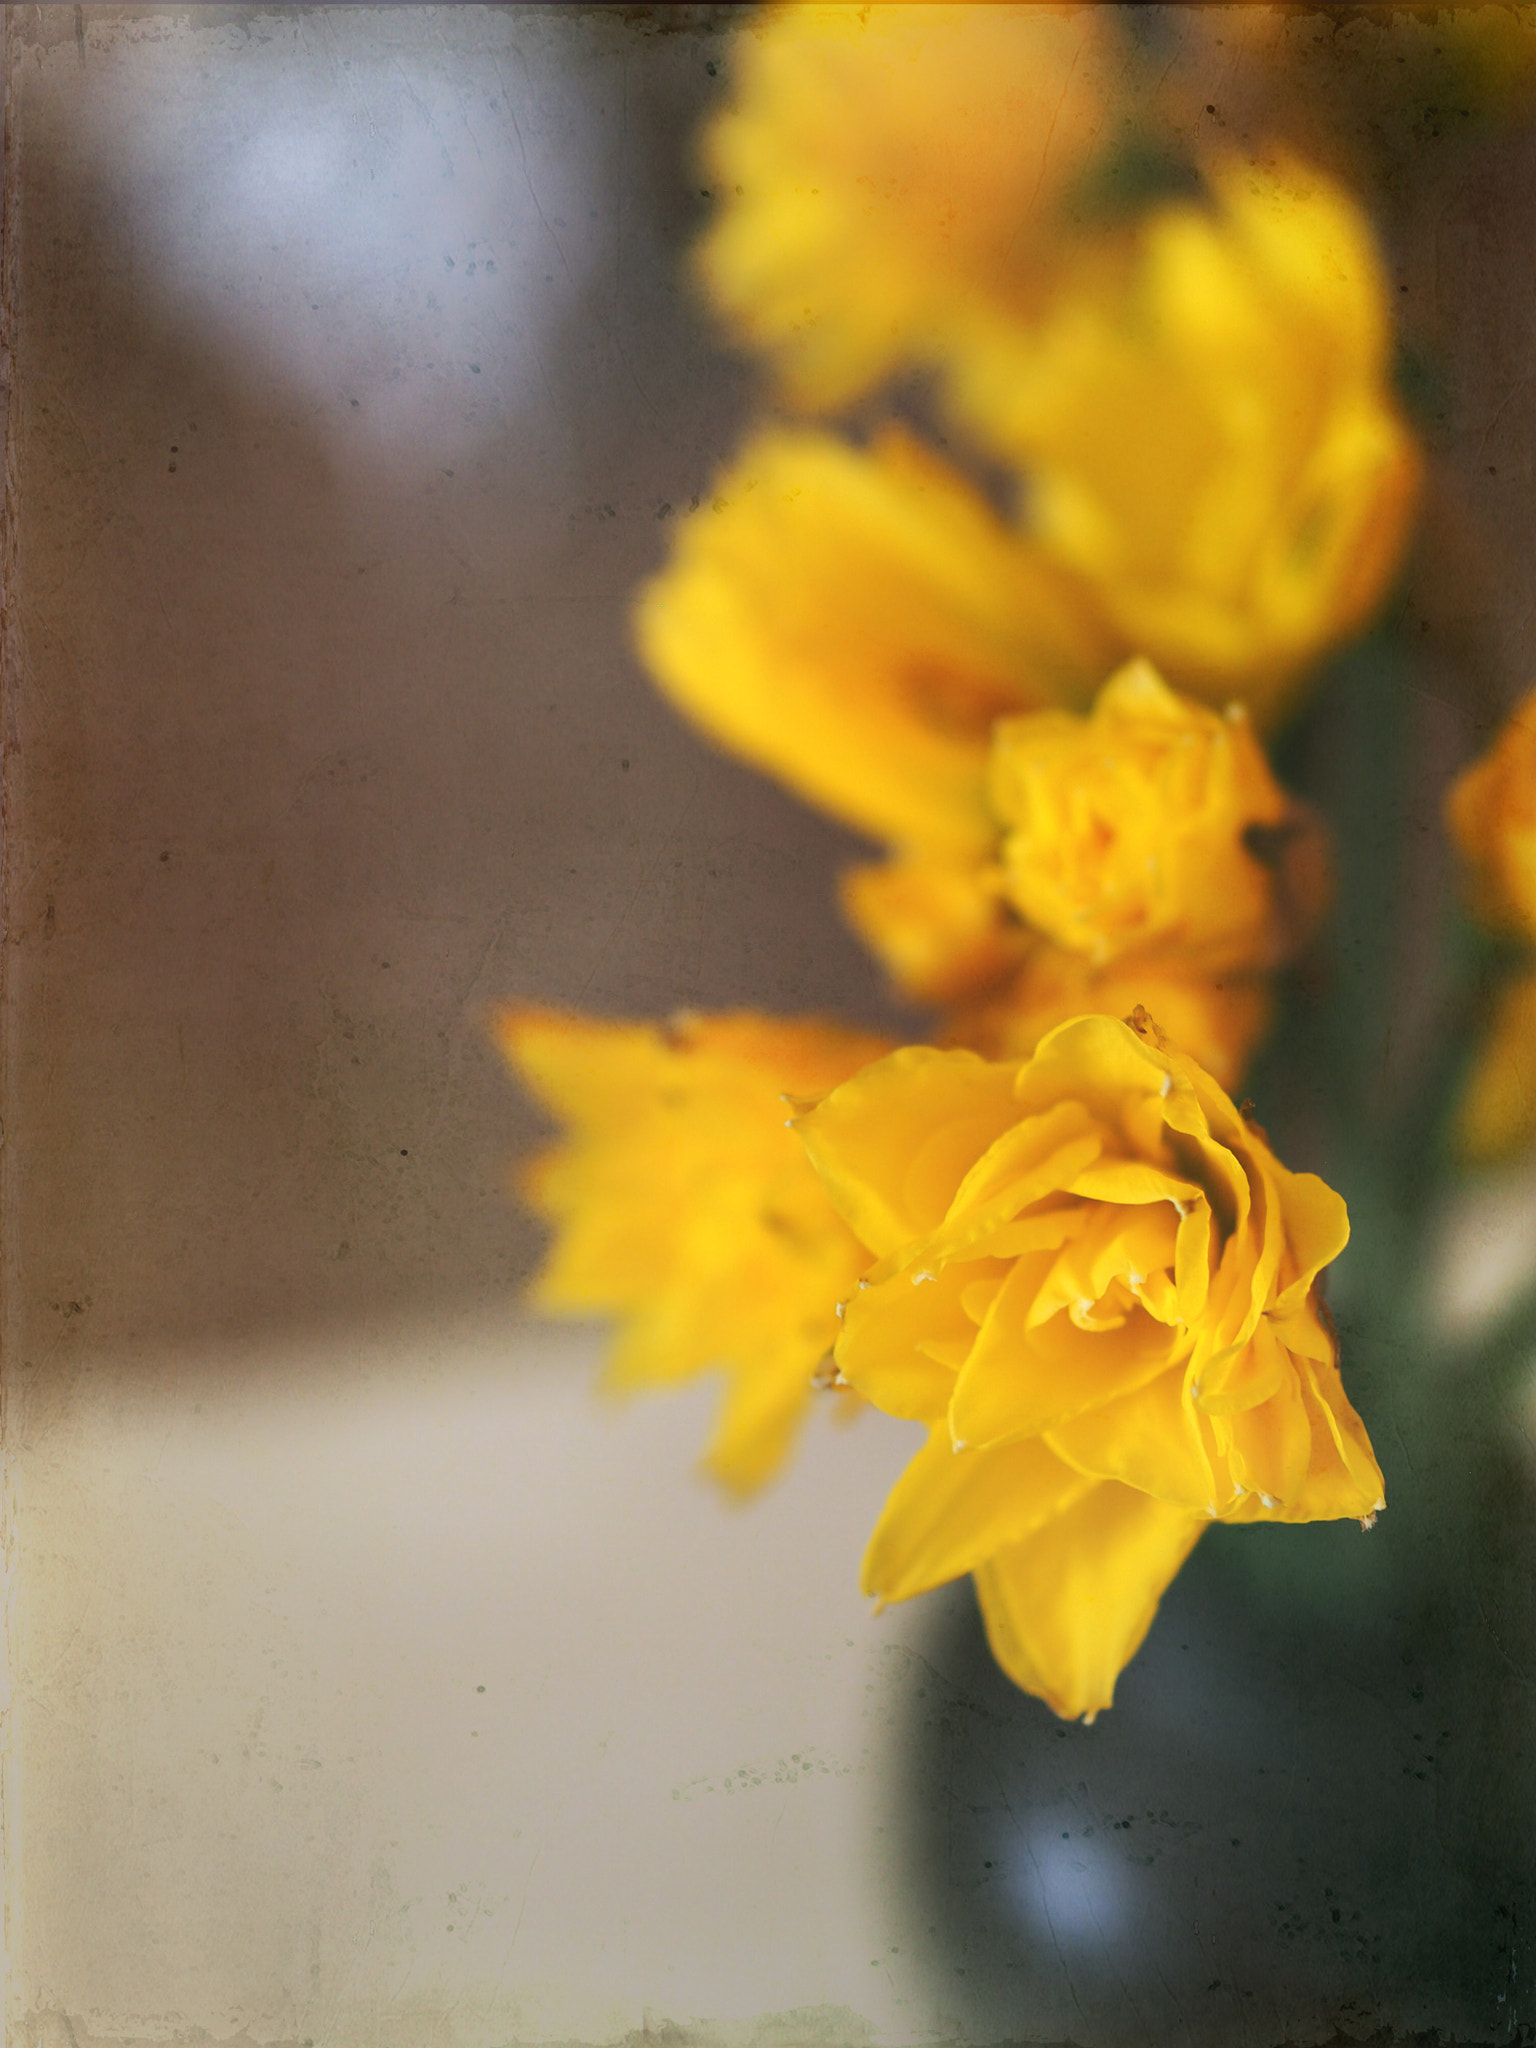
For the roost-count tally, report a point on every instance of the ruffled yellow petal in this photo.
(893, 1144)
(883, 170)
(951, 1510)
(683, 1205)
(1153, 824)
(902, 1343)
(853, 622)
(1023, 1378)
(1124, 1277)
(1067, 1609)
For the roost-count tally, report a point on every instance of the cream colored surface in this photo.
(373, 1682)
(401, 1697)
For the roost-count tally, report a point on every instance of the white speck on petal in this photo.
(1167, 1084)
(840, 1307)
(957, 1443)
(1268, 1499)
(919, 1278)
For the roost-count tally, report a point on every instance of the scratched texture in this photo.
(370, 1684)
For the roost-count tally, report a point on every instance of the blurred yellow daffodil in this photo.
(1097, 1285)
(885, 170)
(1497, 1111)
(853, 621)
(858, 622)
(1491, 812)
(1208, 428)
(1195, 389)
(683, 1206)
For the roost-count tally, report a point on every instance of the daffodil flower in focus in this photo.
(684, 1207)
(1097, 1285)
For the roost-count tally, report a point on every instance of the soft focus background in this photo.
(371, 1682)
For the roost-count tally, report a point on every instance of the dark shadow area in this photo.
(1282, 1829)
(315, 756)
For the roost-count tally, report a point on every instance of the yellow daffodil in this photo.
(1151, 830)
(1098, 1286)
(1491, 811)
(854, 622)
(1217, 1020)
(683, 1206)
(883, 170)
(1152, 822)
(1208, 428)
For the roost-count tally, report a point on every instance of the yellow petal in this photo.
(853, 622)
(1270, 1447)
(1021, 1379)
(1153, 1439)
(952, 1509)
(1218, 1020)
(893, 1144)
(755, 1431)
(1151, 823)
(900, 1337)
(683, 1206)
(938, 928)
(1230, 370)
(1067, 1609)
(1343, 1478)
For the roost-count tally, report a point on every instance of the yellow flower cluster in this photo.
(1197, 389)
(1491, 813)
(1050, 1236)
